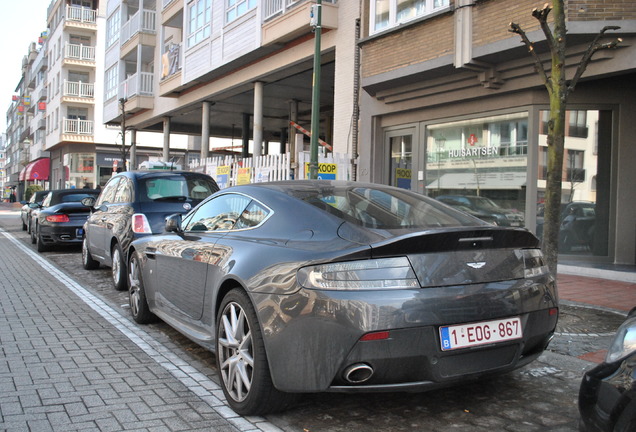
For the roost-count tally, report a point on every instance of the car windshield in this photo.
(176, 188)
(382, 208)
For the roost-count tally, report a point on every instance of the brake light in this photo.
(140, 224)
(381, 335)
(57, 218)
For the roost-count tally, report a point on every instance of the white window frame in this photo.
(110, 82)
(113, 28)
(235, 9)
(199, 21)
(430, 6)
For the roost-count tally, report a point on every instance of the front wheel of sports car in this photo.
(87, 259)
(119, 269)
(137, 294)
(242, 361)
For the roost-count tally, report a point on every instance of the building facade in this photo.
(451, 105)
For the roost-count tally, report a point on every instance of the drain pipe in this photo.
(355, 116)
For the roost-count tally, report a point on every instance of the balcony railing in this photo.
(79, 89)
(144, 21)
(274, 7)
(78, 127)
(139, 84)
(80, 14)
(79, 52)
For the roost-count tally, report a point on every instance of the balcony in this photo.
(285, 20)
(140, 29)
(79, 54)
(171, 71)
(78, 92)
(138, 90)
(172, 13)
(79, 17)
(77, 130)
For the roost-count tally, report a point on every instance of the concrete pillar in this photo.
(205, 132)
(166, 139)
(258, 119)
(133, 150)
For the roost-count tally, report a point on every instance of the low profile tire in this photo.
(119, 269)
(33, 239)
(24, 226)
(242, 361)
(137, 294)
(41, 247)
(87, 259)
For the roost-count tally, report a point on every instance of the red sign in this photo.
(42, 106)
(472, 139)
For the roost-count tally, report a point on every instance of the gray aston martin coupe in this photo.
(322, 286)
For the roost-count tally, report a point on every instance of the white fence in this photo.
(231, 170)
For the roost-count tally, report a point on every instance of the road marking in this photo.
(198, 383)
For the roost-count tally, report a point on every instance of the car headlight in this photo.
(624, 342)
(372, 274)
(533, 264)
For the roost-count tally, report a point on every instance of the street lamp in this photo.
(122, 105)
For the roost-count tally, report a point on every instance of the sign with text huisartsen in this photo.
(326, 171)
(244, 176)
(223, 176)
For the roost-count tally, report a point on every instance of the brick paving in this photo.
(66, 367)
(607, 293)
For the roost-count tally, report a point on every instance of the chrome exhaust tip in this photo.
(358, 373)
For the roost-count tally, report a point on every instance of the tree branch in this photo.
(516, 28)
(591, 49)
(542, 16)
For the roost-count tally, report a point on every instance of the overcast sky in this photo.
(21, 22)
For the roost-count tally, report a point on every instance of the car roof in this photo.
(160, 173)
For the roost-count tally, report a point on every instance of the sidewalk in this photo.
(69, 362)
(596, 291)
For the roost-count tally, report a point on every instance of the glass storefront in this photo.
(585, 206)
(479, 166)
(81, 170)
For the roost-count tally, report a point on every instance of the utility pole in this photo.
(316, 19)
(122, 105)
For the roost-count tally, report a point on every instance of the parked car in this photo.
(134, 204)
(607, 398)
(60, 218)
(321, 286)
(485, 209)
(578, 222)
(27, 208)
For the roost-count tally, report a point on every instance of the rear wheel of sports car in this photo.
(241, 359)
(87, 259)
(137, 294)
(24, 226)
(118, 273)
(41, 247)
(33, 234)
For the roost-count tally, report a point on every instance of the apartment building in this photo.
(451, 104)
(233, 69)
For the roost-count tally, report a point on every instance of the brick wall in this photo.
(592, 10)
(427, 40)
(491, 19)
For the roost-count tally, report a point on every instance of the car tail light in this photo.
(140, 224)
(373, 274)
(533, 263)
(58, 218)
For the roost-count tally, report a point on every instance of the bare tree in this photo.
(559, 89)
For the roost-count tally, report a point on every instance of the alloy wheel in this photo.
(236, 356)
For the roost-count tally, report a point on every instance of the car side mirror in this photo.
(34, 205)
(88, 201)
(173, 223)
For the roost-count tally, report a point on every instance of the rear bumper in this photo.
(313, 337)
(64, 234)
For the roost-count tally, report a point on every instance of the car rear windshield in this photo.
(384, 208)
(176, 188)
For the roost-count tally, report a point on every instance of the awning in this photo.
(491, 180)
(38, 170)
(22, 173)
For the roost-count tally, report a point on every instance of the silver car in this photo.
(320, 286)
